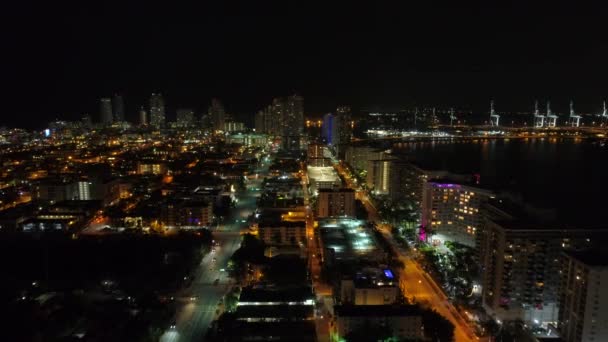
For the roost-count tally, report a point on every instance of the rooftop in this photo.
(252, 295)
(323, 174)
(376, 310)
(590, 257)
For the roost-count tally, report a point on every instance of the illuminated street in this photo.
(194, 316)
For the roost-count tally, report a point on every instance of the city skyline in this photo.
(384, 56)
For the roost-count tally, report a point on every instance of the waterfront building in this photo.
(583, 305)
(451, 211)
(519, 255)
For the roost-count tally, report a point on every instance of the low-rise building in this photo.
(283, 234)
(403, 322)
(371, 286)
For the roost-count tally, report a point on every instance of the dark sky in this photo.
(58, 60)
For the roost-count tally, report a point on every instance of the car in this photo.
(217, 281)
(193, 298)
(214, 259)
(173, 325)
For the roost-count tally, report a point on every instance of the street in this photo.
(415, 282)
(193, 317)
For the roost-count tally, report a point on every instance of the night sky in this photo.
(59, 59)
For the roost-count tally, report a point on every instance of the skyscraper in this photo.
(344, 130)
(185, 117)
(118, 108)
(105, 111)
(157, 110)
(583, 303)
(217, 114)
(293, 122)
(330, 129)
(143, 116)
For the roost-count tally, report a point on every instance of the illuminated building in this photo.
(293, 122)
(248, 139)
(186, 213)
(345, 130)
(53, 190)
(378, 176)
(105, 111)
(185, 117)
(118, 108)
(519, 255)
(233, 126)
(336, 203)
(407, 181)
(217, 114)
(404, 322)
(323, 177)
(283, 118)
(282, 233)
(359, 156)
(157, 110)
(451, 211)
(330, 128)
(155, 168)
(371, 286)
(318, 155)
(143, 116)
(583, 308)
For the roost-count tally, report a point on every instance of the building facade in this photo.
(185, 117)
(105, 111)
(336, 203)
(452, 211)
(583, 306)
(157, 111)
(118, 108)
(520, 263)
(283, 234)
(403, 322)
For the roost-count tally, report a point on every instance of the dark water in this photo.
(562, 174)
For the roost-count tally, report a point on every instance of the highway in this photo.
(197, 305)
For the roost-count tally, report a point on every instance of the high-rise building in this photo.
(407, 182)
(519, 258)
(105, 111)
(330, 129)
(318, 155)
(344, 131)
(293, 122)
(185, 117)
(233, 126)
(87, 121)
(452, 211)
(336, 203)
(583, 305)
(378, 175)
(143, 116)
(157, 110)
(283, 118)
(217, 114)
(118, 108)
